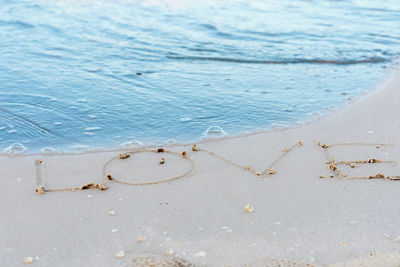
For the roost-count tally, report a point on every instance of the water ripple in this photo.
(19, 121)
(285, 61)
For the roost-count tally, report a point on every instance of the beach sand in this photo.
(294, 215)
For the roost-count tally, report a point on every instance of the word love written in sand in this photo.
(332, 163)
(42, 179)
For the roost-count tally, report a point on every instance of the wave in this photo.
(17, 23)
(30, 127)
(286, 61)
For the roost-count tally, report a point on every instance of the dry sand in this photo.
(297, 216)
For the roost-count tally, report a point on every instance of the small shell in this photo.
(271, 171)
(160, 150)
(40, 190)
(89, 196)
(248, 208)
(285, 149)
(101, 187)
(87, 186)
(300, 142)
(184, 154)
(321, 176)
(120, 254)
(140, 238)
(397, 239)
(386, 235)
(322, 145)
(162, 161)
(194, 148)
(124, 156)
(353, 165)
(28, 260)
(170, 252)
(200, 254)
(112, 213)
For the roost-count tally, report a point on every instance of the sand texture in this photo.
(220, 205)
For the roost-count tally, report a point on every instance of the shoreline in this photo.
(329, 111)
(297, 215)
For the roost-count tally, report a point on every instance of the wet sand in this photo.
(293, 215)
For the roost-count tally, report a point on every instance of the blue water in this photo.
(105, 74)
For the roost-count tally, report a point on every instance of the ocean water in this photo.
(77, 75)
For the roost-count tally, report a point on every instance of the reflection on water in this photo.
(83, 74)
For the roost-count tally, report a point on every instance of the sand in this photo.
(294, 216)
